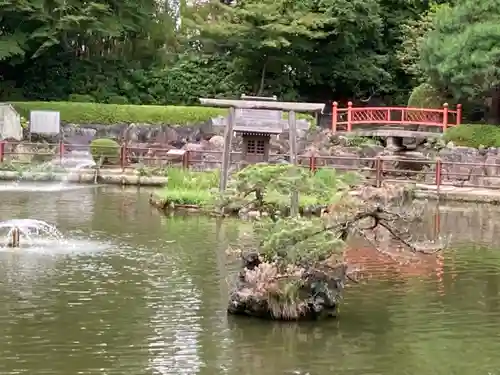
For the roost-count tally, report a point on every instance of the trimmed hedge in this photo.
(107, 149)
(77, 112)
(108, 114)
(474, 135)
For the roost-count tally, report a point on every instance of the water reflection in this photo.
(144, 304)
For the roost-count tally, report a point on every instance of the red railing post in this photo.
(439, 170)
(185, 160)
(459, 114)
(335, 107)
(2, 151)
(312, 163)
(378, 171)
(445, 116)
(61, 151)
(349, 116)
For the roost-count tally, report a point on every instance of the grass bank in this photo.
(109, 114)
(474, 135)
(187, 187)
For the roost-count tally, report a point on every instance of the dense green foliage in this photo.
(105, 151)
(94, 113)
(266, 187)
(148, 52)
(460, 53)
(159, 53)
(475, 135)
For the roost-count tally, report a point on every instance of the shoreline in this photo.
(87, 176)
(457, 194)
(421, 192)
(446, 193)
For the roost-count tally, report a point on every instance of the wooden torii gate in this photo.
(291, 107)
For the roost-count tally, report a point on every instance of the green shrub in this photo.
(474, 135)
(81, 98)
(94, 113)
(105, 150)
(425, 96)
(117, 99)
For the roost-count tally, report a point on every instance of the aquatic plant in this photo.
(187, 187)
(186, 179)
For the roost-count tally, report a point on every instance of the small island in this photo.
(293, 268)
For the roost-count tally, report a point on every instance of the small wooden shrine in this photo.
(256, 126)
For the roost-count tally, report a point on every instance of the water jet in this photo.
(27, 232)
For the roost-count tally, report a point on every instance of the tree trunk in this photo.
(262, 78)
(494, 107)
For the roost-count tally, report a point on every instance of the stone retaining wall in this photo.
(85, 177)
(205, 143)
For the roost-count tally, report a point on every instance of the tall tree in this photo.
(462, 54)
(283, 44)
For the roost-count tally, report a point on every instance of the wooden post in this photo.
(349, 116)
(438, 177)
(226, 154)
(459, 114)
(378, 172)
(61, 150)
(292, 127)
(335, 109)
(445, 116)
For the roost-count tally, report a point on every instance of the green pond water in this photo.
(121, 298)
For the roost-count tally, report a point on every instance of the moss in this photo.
(108, 114)
(76, 112)
(474, 135)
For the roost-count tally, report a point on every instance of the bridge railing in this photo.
(343, 119)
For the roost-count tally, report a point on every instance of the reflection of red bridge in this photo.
(343, 119)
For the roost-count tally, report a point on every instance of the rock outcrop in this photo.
(297, 293)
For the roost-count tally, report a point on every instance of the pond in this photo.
(135, 292)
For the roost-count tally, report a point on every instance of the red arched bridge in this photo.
(345, 119)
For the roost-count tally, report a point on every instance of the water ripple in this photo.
(121, 298)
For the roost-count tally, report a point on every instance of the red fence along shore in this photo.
(377, 169)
